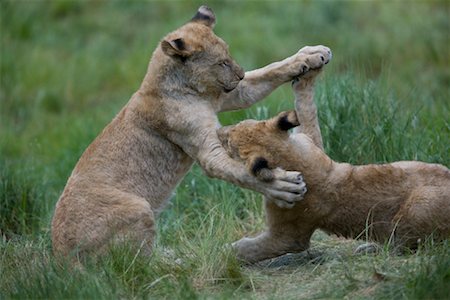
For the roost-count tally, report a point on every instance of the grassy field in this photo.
(67, 67)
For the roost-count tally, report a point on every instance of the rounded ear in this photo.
(286, 120)
(176, 48)
(205, 16)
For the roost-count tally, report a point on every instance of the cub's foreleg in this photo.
(263, 246)
(306, 108)
(285, 233)
(259, 83)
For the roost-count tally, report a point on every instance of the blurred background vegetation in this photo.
(67, 67)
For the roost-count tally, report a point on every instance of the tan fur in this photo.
(402, 201)
(125, 176)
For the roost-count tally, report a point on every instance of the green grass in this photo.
(67, 67)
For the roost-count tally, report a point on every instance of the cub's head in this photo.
(259, 143)
(196, 59)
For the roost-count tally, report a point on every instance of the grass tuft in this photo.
(20, 209)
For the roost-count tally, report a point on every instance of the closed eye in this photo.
(224, 64)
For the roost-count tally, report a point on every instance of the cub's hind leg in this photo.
(116, 217)
(424, 214)
(135, 226)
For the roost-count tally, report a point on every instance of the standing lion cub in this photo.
(126, 175)
(403, 201)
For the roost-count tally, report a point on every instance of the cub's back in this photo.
(425, 173)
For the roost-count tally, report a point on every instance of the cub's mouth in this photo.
(227, 90)
(230, 86)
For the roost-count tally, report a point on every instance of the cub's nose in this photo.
(240, 74)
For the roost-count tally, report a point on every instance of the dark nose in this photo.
(240, 73)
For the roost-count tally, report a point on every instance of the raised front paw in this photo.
(310, 58)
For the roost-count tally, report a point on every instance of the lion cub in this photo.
(403, 201)
(128, 173)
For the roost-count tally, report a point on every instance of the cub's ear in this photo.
(259, 167)
(205, 16)
(176, 48)
(286, 120)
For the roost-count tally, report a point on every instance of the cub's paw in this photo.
(248, 250)
(323, 54)
(291, 181)
(310, 58)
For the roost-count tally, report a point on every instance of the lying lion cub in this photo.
(403, 201)
(125, 177)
